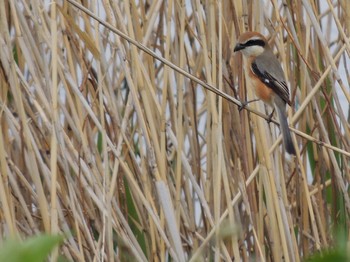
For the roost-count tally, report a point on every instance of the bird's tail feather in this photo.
(287, 139)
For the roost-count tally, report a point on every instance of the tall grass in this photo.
(121, 128)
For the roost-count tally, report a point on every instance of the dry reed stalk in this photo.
(120, 128)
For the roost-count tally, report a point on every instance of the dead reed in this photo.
(124, 133)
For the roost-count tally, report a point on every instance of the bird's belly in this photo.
(262, 91)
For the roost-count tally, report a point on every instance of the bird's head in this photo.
(251, 44)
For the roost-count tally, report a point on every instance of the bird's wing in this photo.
(268, 69)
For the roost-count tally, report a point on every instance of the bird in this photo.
(265, 73)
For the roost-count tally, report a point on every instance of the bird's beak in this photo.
(238, 47)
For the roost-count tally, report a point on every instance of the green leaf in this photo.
(134, 218)
(99, 142)
(330, 256)
(34, 249)
(338, 253)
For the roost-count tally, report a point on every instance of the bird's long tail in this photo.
(287, 139)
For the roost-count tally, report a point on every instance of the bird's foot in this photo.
(245, 103)
(269, 119)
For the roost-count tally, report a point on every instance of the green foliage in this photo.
(134, 219)
(99, 142)
(338, 253)
(330, 256)
(33, 249)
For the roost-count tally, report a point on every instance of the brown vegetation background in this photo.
(124, 133)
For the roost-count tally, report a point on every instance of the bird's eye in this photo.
(253, 42)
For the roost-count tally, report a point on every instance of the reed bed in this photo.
(121, 129)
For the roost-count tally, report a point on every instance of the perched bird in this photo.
(266, 76)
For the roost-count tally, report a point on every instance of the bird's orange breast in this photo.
(262, 91)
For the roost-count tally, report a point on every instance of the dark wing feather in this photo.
(268, 69)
